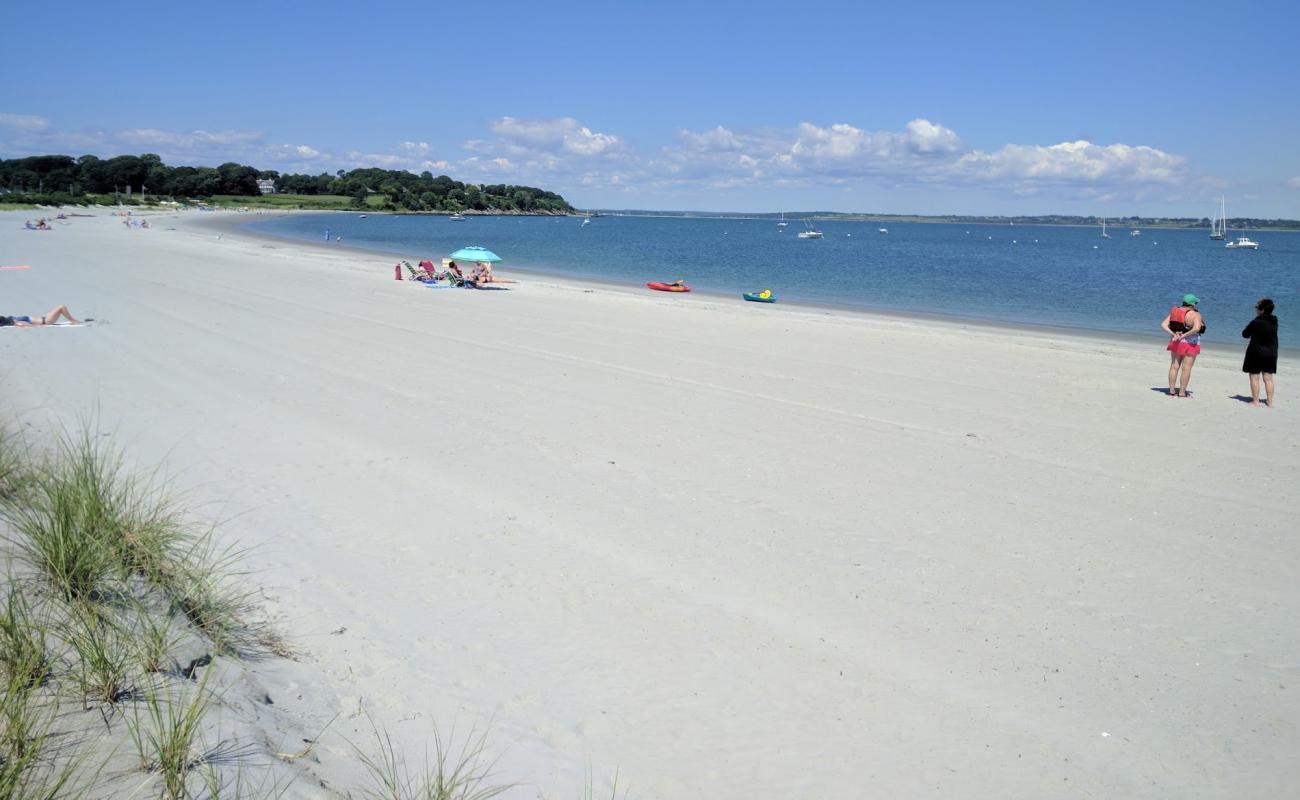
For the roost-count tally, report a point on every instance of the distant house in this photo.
(266, 187)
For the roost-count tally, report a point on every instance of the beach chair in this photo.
(427, 266)
(419, 277)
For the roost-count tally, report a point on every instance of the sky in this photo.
(1117, 109)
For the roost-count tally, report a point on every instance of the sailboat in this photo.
(782, 223)
(1219, 227)
(1104, 235)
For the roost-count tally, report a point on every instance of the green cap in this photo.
(1190, 299)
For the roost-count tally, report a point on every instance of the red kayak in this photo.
(668, 287)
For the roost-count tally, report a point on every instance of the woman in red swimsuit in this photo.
(1184, 326)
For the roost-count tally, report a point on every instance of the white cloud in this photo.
(306, 151)
(560, 135)
(24, 123)
(189, 141)
(923, 136)
(1072, 162)
(922, 152)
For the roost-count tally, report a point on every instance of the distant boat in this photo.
(586, 220)
(1242, 243)
(886, 230)
(810, 233)
(1219, 227)
(1104, 235)
(1135, 232)
(362, 216)
(457, 217)
(782, 223)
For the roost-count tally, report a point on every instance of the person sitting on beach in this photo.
(453, 269)
(482, 273)
(49, 318)
(1184, 326)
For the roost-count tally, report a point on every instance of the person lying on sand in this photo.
(49, 318)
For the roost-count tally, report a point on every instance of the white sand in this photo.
(731, 551)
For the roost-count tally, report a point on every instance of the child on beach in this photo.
(1261, 353)
(1184, 326)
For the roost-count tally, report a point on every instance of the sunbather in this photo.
(50, 318)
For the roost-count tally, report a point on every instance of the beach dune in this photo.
(730, 553)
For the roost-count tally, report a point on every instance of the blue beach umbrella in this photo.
(475, 254)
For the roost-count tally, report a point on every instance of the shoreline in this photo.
(236, 223)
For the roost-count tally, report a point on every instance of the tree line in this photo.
(54, 177)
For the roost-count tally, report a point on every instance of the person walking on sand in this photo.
(1261, 353)
(1184, 326)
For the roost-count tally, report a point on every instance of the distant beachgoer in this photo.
(327, 234)
(49, 318)
(1184, 326)
(1261, 353)
(482, 272)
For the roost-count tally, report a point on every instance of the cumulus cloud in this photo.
(1073, 162)
(922, 151)
(562, 135)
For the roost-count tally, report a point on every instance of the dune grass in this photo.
(30, 767)
(23, 653)
(465, 774)
(167, 734)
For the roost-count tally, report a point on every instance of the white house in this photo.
(266, 187)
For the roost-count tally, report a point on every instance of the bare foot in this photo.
(1254, 404)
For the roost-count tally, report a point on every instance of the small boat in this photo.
(1242, 243)
(678, 286)
(764, 296)
(1104, 235)
(886, 230)
(782, 223)
(810, 232)
(586, 221)
(457, 217)
(1135, 232)
(362, 216)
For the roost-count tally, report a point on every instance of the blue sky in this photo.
(1100, 108)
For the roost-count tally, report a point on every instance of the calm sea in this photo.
(1049, 275)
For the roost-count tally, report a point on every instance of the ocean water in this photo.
(1045, 275)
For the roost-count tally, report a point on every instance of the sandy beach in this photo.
(728, 551)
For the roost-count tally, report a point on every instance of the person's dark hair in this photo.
(1265, 305)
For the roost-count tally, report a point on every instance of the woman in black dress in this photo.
(1261, 353)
